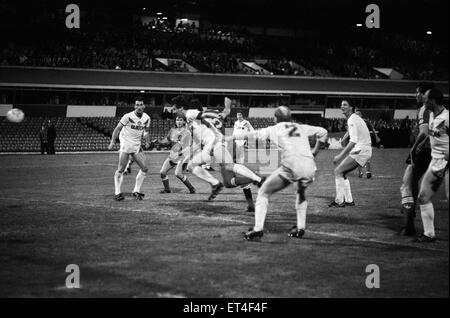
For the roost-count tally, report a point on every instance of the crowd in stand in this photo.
(393, 133)
(211, 50)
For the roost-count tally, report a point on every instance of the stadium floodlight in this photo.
(358, 25)
(429, 32)
(164, 18)
(159, 13)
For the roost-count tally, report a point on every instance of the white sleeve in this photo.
(249, 126)
(124, 120)
(320, 132)
(147, 123)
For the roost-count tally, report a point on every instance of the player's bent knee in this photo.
(163, 175)
(144, 170)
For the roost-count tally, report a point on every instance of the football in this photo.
(15, 115)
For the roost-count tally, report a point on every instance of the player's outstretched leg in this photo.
(195, 166)
(118, 176)
(167, 165)
(232, 180)
(274, 183)
(140, 160)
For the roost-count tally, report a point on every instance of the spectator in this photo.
(44, 139)
(51, 136)
(168, 111)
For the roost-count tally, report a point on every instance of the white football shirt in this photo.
(133, 127)
(438, 131)
(241, 126)
(292, 139)
(358, 132)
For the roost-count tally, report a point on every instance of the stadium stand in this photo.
(94, 133)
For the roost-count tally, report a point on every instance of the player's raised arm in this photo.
(321, 135)
(262, 134)
(249, 126)
(227, 110)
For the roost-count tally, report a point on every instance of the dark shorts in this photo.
(421, 162)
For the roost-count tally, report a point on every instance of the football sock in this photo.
(427, 212)
(187, 183)
(139, 180)
(246, 172)
(301, 213)
(410, 215)
(118, 178)
(339, 190)
(165, 180)
(205, 175)
(248, 196)
(262, 201)
(347, 191)
(407, 197)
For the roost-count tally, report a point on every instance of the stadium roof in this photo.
(63, 78)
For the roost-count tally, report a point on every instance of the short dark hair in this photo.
(179, 100)
(424, 86)
(195, 104)
(139, 99)
(435, 94)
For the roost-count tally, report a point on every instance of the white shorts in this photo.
(362, 156)
(202, 155)
(438, 167)
(221, 153)
(302, 171)
(129, 147)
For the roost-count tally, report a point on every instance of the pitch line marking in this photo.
(358, 239)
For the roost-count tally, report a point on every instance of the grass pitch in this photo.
(58, 210)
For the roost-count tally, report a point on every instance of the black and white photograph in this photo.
(224, 153)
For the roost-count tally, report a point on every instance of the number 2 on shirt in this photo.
(292, 130)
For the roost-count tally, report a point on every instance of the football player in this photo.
(130, 129)
(207, 134)
(417, 163)
(356, 154)
(437, 170)
(241, 126)
(297, 167)
(180, 140)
